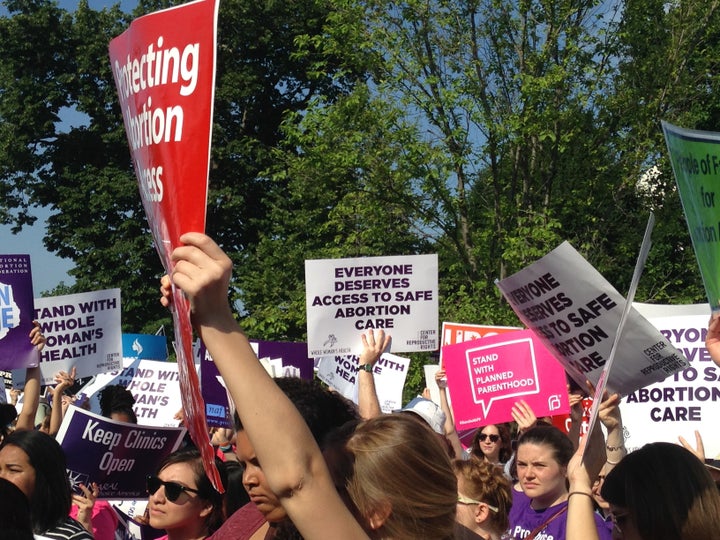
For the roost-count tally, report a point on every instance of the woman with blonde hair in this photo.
(396, 477)
(484, 498)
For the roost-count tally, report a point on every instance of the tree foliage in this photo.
(482, 130)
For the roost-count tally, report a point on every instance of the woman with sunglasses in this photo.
(182, 500)
(492, 443)
(484, 500)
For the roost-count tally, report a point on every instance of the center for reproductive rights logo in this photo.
(502, 371)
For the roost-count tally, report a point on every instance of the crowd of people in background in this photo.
(304, 462)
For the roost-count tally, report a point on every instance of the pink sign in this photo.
(487, 376)
(164, 70)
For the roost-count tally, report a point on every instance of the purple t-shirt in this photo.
(524, 519)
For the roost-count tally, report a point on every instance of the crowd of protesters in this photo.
(304, 462)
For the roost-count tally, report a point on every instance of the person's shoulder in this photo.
(69, 529)
(245, 521)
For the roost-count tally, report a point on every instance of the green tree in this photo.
(83, 173)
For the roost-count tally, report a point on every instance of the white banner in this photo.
(576, 312)
(154, 385)
(82, 330)
(390, 371)
(686, 401)
(345, 297)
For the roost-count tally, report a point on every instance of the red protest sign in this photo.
(164, 70)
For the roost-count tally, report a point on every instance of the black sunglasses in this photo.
(493, 437)
(172, 489)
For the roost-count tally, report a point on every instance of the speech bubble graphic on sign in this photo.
(487, 376)
(504, 371)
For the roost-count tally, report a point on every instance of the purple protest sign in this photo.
(16, 313)
(217, 408)
(116, 455)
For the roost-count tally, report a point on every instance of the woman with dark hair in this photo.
(182, 500)
(663, 492)
(539, 510)
(493, 444)
(35, 463)
(15, 521)
(116, 403)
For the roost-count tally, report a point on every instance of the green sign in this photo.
(695, 157)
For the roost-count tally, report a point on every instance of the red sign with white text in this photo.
(164, 70)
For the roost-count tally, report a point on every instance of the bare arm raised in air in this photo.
(373, 348)
(31, 398)
(290, 457)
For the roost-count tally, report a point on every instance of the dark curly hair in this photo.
(322, 409)
(115, 398)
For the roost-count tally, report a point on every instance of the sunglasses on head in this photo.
(172, 489)
(493, 438)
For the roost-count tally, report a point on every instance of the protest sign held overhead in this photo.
(82, 331)
(487, 376)
(685, 401)
(390, 371)
(154, 384)
(280, 358)
(695, 158)
(164, 70)
(16, 313)
(116, 455)
(575, 312)
(347, 296)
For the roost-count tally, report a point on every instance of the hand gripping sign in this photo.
(164, 70)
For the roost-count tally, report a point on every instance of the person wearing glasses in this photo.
(181, 498)
(493, 444)
(484, 500)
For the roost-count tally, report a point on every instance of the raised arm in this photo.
(31, 397)
(373, 348)
(64, 381)
(449, 427)
(582, 470)
(293, 464)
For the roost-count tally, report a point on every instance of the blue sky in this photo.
(48, 270)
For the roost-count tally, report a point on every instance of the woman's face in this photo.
(623, 524)
(255, 483)
(465, 511)
(15, 466)
(489, 447)
(188, 511)
(541, 477)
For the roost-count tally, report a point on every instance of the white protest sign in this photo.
(687, 400)
(390, 371)
(576, 312)
(154, 385)
(345, 297)
(82, 330)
